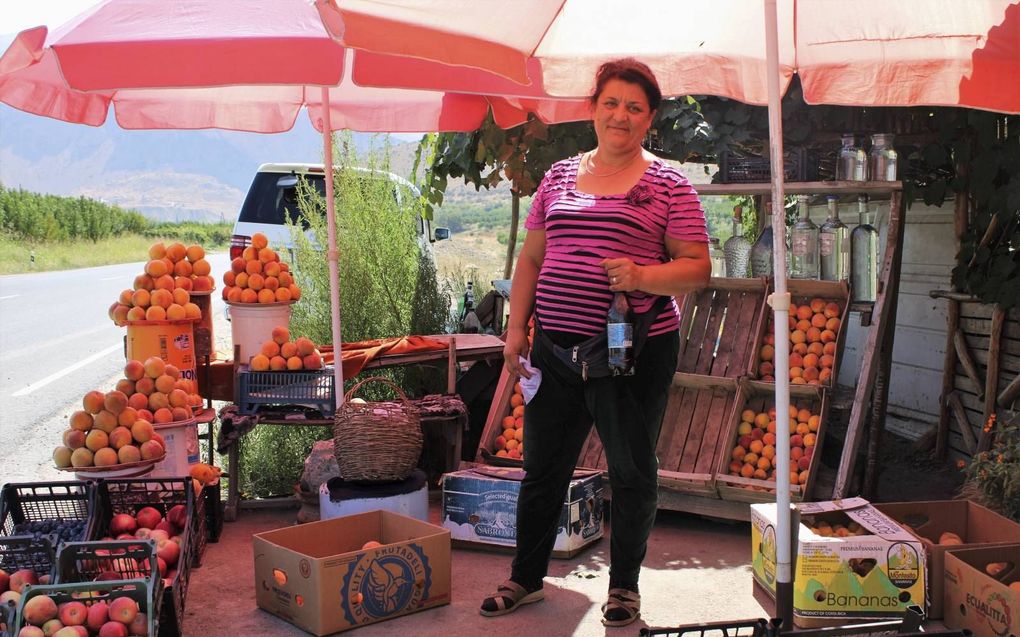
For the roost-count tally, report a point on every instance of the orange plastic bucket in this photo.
(173, 341)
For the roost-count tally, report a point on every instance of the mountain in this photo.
(167, 175)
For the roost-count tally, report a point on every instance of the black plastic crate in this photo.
(80, 562)
(52, 511)
(799, 164)
(145, 593)
(130, 496)
(306, 388)
(738, 628)
(22, 551)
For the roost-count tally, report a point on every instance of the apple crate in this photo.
(112, 560)
(816, 338)
(51, 511)
(759, 398)
(19, 552)
(132, 495)
(144, 593)
(304, 388)
(720, 326)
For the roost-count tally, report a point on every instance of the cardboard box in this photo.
(987, 606)
(317, 577)
(976, 526)
(480, 507)
(872, 576)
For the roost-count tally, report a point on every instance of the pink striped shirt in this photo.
(582, 229)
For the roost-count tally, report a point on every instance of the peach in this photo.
(796, 440)
(259, 241)
(192, 311)
(164, 383)
(128, 453)
(259, 363)
(176, 251)
(105, 421)
(233, 294)
(139, 625)
(105, 457)
(183, 283)
(120, 314)
(229, 277)
(831, 310)
(203, 283)
(738, 452)
(252, 268)
(816, 304)
(829, 348)
(81, 457)
(142, 431)
(62, 457)
(288, 349)
(96, 440)
(137, 401)
(154, 367)
(767, 352)
(804, 463)
(803, 312)
(74, 439)
(268, 255)
(796, 453)
(115, 401)
(294, 363)
(266, 296)
(278, 363)
(241, 280)
(125, 386)
(818, 320)
(832, 325)
(155, 313)
(270, 349)
(151, 450)
(175, 312)
(295, 291)
(312, 361)
(280, 335)
(237, 265)
(81, 421)
(93, 401)
(136, 314)
(828, 336)
(183, 268)
(766, 368)
(178, 398)
(816, 348)
(156, 268)
(120, 437)
(272, 269)
(158, 400)
(803, 325)
(195, 253)
(249, 296)
(180, 413)
(255, 280)
(799, 348)
(39, 609)
(796, 360)
(162, 416)
(144, 414)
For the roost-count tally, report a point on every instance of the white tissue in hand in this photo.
(529, 386)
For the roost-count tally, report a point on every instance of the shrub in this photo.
(993, 476)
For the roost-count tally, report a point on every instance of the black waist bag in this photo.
(590, 357)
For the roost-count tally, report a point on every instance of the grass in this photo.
(15, 255)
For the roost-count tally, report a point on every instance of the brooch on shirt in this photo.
(640, 194)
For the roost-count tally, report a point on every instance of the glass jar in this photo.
(761, 251)
(852, 164)
(882, 158)
(737, 249)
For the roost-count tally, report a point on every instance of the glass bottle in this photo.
(834, 244)
(761, 251)
(853, 162)
(882, 158)
(804, 244)
(864, 259)
(715, 255)
(737, 249)
(620, 336)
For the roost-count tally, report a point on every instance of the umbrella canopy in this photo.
(867, 52)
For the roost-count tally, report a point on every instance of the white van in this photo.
(272, 198)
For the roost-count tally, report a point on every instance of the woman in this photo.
(615, 219)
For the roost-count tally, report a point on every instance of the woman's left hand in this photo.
(624, 275)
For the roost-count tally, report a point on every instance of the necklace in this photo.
(589, 165)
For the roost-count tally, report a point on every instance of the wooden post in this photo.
(451, 368)
(880, 400)
(884, 303)
(1010, 394)
(992, 375)
(961, 419)
(511, 243)
(948, 379)
(967, 361)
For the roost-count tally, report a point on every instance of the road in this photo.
(56, 344)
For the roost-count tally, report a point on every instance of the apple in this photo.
(113, 629)
(123, 610)
(143, 533)
(139, 626)
(51, 627)
(31, 631)
(108, 576)
(148, 517)
(169, 551)
(73, 614)
(178, 516)
(158, 534)
(123, 523)
(164, 525)
(5, 581)
(21, 578)
(10, 597)
(72, 631)
(39, 609)
(98, 614)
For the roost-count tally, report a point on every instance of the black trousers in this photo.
(627, 412)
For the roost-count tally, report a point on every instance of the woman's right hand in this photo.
(517, 346)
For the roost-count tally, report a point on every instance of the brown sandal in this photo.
(621, 599)
(509, 595)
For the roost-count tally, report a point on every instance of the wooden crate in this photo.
(498, 410)
(760, 397)
(801, 292)
(720, 327)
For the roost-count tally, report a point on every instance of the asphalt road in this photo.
(56, 344)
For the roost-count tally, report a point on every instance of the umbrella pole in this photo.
(780, 302)
(332, 254)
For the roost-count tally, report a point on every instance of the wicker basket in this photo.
(377, 441)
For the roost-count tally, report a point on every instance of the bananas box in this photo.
(338, 574)
(982, 590)
(851, 562)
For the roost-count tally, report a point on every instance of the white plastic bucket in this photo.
(251, 325)
(414, 504)
(182, 450)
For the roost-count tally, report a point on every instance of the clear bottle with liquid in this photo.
(761, 251)
(882, 158)
(804, 244)
(715, 255)
(864, 256)
(834, 244)
(852, 164)
(620, 336)
(737, 249)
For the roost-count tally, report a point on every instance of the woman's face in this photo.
(622, 116)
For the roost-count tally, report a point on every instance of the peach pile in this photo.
(754, 455)
(119, 617)
(844, 528)
(116, 427)
(163, 291)
(814, 328)
(258, 276)
(510, 443)
(282, 354)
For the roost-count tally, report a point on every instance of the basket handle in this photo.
(393, 386)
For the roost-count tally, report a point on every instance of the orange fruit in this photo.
(259, 241)
(832, 324)
(518, 411)
(764, 463)
(804, 312)
(798, 381)
(508, 422)
(799, 348)
(829, 348)
(825, 374)
(796, 372)
(831, 310)
(828, 336)
(747, 415)
(818, 320)
(826, 360)
(516, 400)
(810, 373)
(811, 360)
(761, 420)
(817, 304)
(765, 369)
(796, 360)
(738, 453)
(814, 335)
(804, 325)
(768, 452)
(813, 423)
(747, 470)
(803, 415)
(767, 352)
(798, 336)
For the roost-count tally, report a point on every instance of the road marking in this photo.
(67, 370)
(9, 296)
(111, 278)
(7, 354)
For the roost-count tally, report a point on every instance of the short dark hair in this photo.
(631, 71)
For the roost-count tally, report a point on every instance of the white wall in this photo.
(920, 337)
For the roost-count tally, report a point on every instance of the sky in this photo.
(18, 15)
